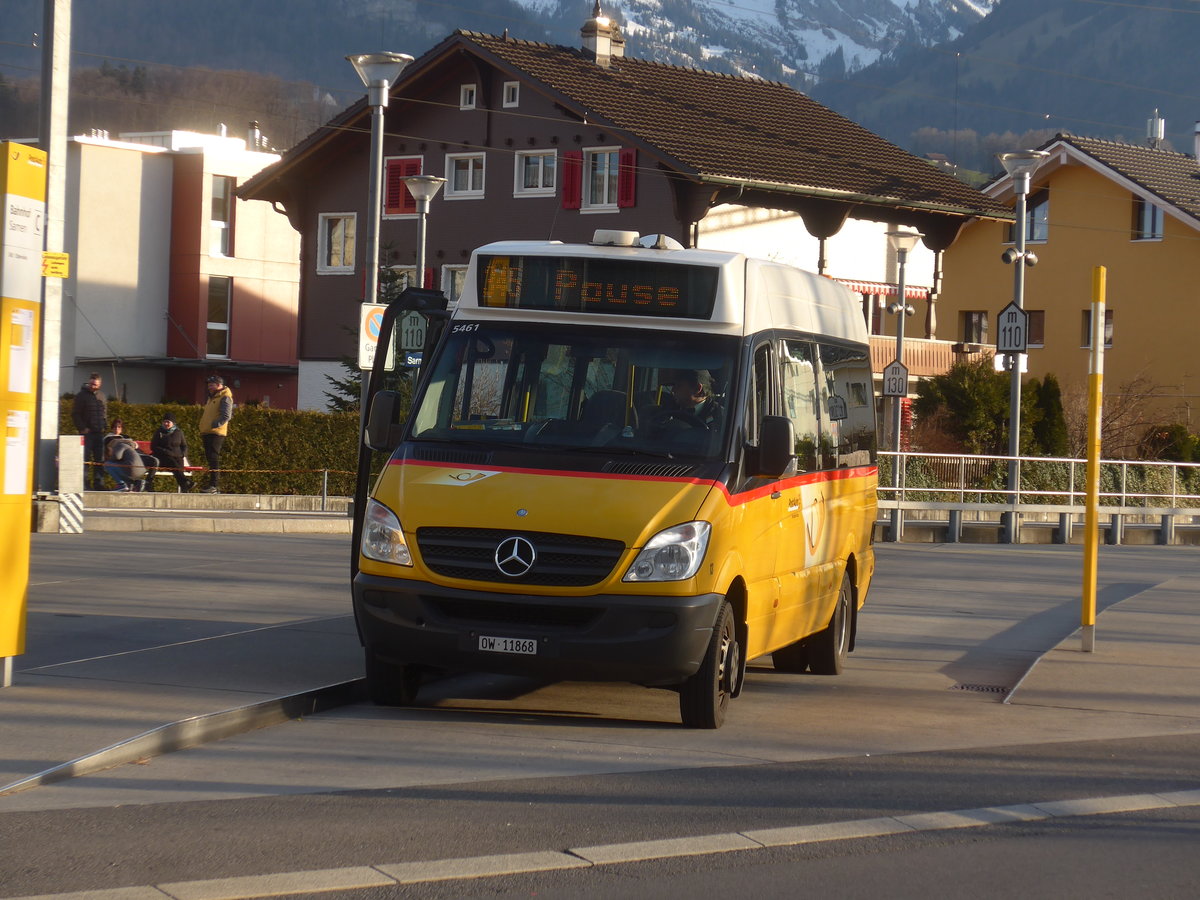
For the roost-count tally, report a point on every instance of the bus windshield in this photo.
(576, 388)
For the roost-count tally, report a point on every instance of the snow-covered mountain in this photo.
(797, 41)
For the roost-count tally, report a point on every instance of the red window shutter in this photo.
(429, 272)
(627, 177)
(572, 179)
(397, 201)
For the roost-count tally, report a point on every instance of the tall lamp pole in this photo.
(423, 188)
(1020, 166)
(378, 71)
(901, 242)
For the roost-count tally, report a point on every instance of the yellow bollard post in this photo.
(1091, 541)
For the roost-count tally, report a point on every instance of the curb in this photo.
(197, 730)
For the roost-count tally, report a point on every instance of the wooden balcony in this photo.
(923, 357)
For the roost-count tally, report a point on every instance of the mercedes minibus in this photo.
(624, 461)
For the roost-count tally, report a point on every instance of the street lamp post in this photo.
(423, 189)
(1020, 166)
(378, 72)
(902, 242)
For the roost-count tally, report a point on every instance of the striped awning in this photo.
(911, 292)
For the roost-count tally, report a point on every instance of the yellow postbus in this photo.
(624, 461)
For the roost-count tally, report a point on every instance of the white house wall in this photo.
(119, 238)
(858, 252)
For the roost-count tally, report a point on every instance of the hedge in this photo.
(267, 451)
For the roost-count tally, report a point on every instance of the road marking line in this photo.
(481, 866)
(322, 880)
(1087, 806)
(315, 881)
(605, 854)
(829, 831)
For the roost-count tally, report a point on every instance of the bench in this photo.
(152, 461)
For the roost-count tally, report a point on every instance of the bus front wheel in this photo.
(390, 684)
(704, 698)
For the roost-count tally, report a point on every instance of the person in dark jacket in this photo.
(169, 447)
(90, 415)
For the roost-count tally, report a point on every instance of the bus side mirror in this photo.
(776, 441)
(384, 430)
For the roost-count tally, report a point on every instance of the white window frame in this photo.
(511, 94)
(218, 326)
(612, 184)
(220, 241)
(323, 268)
(384, 214)
(1149, 220)
(449, 275)
(471, 193)
(468, 95)
(1109, 321)
(519, 189)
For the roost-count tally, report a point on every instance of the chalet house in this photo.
(172, 277)
(1134, 210)
(550, 142)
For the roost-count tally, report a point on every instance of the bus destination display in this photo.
(582, 284)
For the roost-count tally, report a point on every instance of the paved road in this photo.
(495, 765)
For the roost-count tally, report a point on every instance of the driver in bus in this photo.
(690, 395)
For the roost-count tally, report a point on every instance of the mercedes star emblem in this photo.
(515, 556)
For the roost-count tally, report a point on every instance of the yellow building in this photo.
(1136, 211)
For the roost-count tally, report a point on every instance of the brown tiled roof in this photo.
(717, 127)
(711, 127)
(1172, 177)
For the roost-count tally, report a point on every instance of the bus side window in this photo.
(847, 406)
(758, 400)
(799, 377)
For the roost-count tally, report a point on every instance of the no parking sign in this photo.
(370, 325)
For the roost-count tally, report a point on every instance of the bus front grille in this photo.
(561, 560)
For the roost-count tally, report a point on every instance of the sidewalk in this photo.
(218, 513)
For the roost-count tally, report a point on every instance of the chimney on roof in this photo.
(254, 137)
(602, 38)
(1196, 143)
(1156, 129)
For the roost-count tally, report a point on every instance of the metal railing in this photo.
(1130, 490)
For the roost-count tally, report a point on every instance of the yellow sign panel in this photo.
(56, 265)
(22, 239)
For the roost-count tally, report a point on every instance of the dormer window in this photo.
(512, 94)
(466, 96)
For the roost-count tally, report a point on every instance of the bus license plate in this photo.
(508, 645)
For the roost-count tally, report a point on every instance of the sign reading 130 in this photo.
(895, 379)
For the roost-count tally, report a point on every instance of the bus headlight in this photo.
(382, 538)
(671, 555)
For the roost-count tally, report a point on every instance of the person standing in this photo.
(90, 415)
(169, 449)
(214, 426)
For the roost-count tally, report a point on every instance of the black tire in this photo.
(793, 658)
(389, 684)
(827, 648)
(704, 698)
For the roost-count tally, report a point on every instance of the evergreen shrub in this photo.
(267, 451)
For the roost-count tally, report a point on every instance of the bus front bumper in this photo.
(651, 640)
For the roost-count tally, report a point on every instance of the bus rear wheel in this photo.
(704, 698)
(827, 648)
(390, 684)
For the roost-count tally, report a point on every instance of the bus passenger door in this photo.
(803, 497)
(759, 510)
